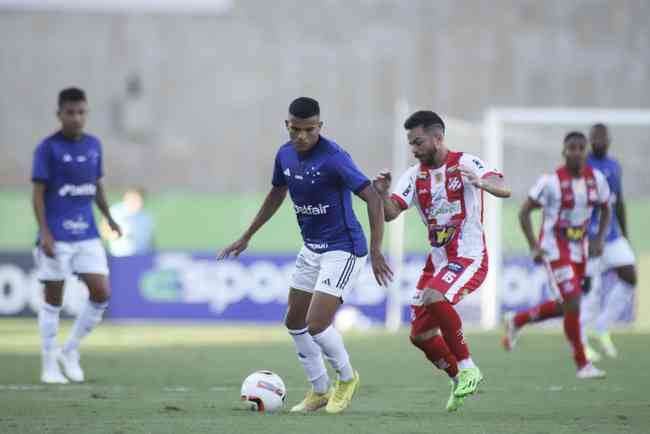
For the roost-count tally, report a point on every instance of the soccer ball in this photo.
(263, 391)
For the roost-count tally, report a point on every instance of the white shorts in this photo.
(616, 253)
(330, 272)
(77, 257)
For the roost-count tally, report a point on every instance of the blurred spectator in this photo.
(134, 112)
(136, 223)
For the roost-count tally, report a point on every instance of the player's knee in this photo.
(292, 322)
(627, 275)
(294, 319)
(416, 341)
(100, 295)
(419, 339)
(572, 304)
(54, 293)
(316, 326)
(54, 299)
(431, 296)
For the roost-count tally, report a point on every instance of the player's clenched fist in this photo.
(382, 181)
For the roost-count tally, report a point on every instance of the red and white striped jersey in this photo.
(568, 203)
(450, 207)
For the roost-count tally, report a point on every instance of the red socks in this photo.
(438, 353)
(572, 332)
(451, 326)
(549, 309)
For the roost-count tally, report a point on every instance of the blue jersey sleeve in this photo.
(41, 163)
(615, 184)
(350, 175)
(278, 177)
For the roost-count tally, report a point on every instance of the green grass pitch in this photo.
(165, 378)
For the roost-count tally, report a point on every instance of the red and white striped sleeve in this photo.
(478, 166)
(404, 191)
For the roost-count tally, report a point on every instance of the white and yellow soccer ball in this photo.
(264, 391)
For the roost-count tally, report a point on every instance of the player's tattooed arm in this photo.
(102, 204)
(596, 245)
(382, 185)
(38, 202)
(493, 184)
(527, 227)
(381, 270)
(271, 203)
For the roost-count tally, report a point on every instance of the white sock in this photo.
(589, 310)
(91, 314)
(311, 358)
(617, 300)
(590, 306)
(331, 343)
(48, 325)
(321, 384)
(466, 363)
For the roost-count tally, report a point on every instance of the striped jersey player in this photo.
(568, 198)
(446, 188)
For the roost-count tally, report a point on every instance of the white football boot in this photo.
(589, 371)
(70, 362)
(50, 371)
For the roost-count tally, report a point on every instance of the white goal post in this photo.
(493, 143)
(491, 133)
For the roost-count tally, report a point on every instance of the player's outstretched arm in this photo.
(596, 245)
(493, 184)
(382, 185)
(38, 202)
(271, 203)
(102, 204)
(527, 227)
(383, 273)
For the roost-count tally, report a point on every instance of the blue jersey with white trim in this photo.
(70, 170)
(320, 184)
(612, 171)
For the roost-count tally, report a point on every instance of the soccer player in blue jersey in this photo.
(617, 253)
(66, 177)
(320, 177)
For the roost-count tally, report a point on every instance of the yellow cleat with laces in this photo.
(342, 394)
(313, 401)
